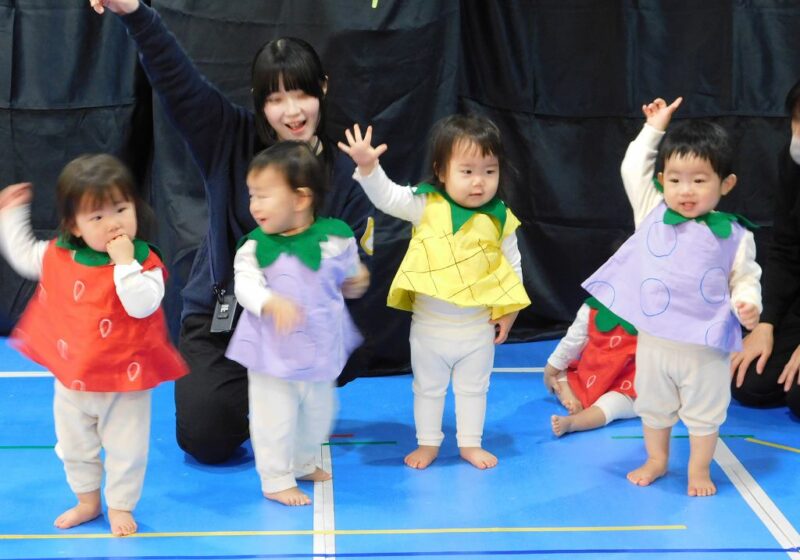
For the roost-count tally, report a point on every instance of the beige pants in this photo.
(289, 420)
(675, 380)
(119, 423)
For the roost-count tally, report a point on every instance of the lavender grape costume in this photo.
(291, 376)
(671, 281)
(676, 281)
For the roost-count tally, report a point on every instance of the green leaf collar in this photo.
(718, 222)
(605, 320)
(89, 257)
(304, 245)
(495, 208)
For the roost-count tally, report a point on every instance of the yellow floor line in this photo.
(337, 532)
(776, 445)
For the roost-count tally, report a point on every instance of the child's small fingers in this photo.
(357, 132)
(349, 136)
(380, 150)
(344, 147)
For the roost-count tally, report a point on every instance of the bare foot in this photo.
(648, 473)
(83, 512)
(700, 483)
(568, 398)
(122, 522)
(290, 497)
(561, 424)
(422, 456)
(317, 476)
(478, 457)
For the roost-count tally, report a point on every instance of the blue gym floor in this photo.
(548, 497)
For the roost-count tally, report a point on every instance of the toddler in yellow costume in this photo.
(461, 276)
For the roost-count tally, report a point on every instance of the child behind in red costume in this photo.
(592, 370)
(96, 323)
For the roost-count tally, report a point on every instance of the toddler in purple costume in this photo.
(295, 334)
(685, 279)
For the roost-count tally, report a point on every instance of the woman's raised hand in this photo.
(120, 7)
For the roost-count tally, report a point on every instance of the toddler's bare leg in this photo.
(478, 457)
(122, 522)
(656, 441)
(87, 509)
(700, 457)
(567, 397)
(317, 476)
(587, 419)
(290, 497)
(422, 456)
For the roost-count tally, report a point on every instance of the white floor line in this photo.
(323, 509)
(772, 518)
(25, 374)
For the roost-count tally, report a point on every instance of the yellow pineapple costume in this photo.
(455, 255)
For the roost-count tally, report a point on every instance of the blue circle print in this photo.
(654, 297)
(714, 285)
(603, 291)
(661, 239)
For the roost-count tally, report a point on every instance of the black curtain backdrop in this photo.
(564, 80)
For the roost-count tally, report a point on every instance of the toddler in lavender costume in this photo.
(686, 279)
(295, 333)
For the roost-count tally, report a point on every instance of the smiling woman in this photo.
(288, 93)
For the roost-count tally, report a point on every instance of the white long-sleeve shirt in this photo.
(575, 340)
(401, 202)
(637, 171)
(140, 292)
(251, 288)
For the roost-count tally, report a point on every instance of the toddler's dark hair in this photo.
(700, 138)
(88, 182)
(300, 166)
(448, 132)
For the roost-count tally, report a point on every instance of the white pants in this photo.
(615, 406)
(677, 380)
(289, 420)
(119, 423)
(435, 357)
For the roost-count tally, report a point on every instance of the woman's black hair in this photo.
(297, 63)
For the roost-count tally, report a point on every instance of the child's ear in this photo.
(660, 177)
(440, 173)
(728, 183)
(303, 199)
(75, 231)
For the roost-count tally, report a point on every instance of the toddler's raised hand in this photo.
(360, 149)
(658, 113)
(748, 314)
(285, 314)
(15, 195)
(120, 250)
